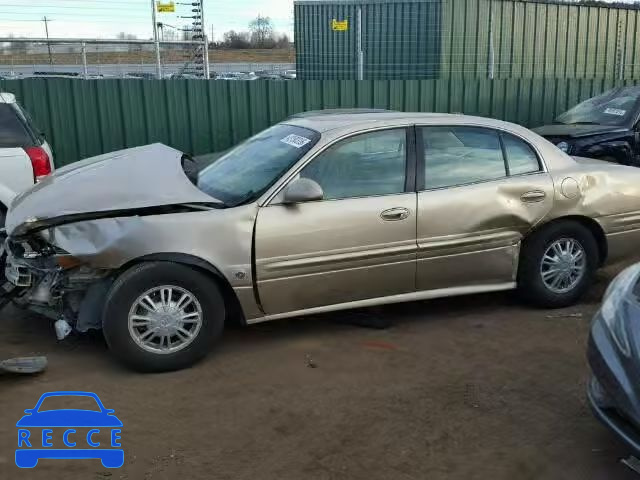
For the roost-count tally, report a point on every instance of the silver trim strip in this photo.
(403, 297)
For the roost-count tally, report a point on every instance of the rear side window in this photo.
(13, 131)
(461, 155)
(28, 122)
(520, 157)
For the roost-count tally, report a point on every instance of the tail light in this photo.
(40, 162)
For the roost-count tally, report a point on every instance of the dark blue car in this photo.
(31, 448)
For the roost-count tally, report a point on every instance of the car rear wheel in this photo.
(162, 316)
(557, 264)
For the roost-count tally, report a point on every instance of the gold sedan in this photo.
(324, 211)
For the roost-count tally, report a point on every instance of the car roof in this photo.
(6, 97)
(353, 120)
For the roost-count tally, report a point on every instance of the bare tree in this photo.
(262, 32)
(283, 41)
(233, 39)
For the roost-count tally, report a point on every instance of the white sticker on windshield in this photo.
(615, 111)
(295, 140)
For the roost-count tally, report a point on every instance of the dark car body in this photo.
(613, 137)
(614, 357)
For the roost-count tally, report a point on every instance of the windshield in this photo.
(247, 171)
(615, 107)
(65, 402)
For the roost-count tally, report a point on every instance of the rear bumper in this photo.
(622, 245)
(110, 458)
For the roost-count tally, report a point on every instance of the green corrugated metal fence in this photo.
(400, 39)
(422, 39)
(82, 118)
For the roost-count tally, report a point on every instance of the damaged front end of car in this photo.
(63, 267)
(48, 280)
(69, 236)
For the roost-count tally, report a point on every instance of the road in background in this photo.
(120, 69)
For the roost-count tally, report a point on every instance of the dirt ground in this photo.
(468, 388)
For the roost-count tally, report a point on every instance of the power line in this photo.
(83, 7)
(66, 14)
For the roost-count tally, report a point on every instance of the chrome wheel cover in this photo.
(165, 319)
(563, 265)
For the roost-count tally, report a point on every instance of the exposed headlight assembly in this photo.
(615, 303)
(564, 146)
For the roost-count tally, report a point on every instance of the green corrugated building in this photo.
(422, 39)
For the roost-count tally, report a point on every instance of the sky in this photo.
(107, 18)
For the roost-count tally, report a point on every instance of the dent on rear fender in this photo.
(611, 196)
(222, 238)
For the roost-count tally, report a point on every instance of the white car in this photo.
(25, 156)
(289, 74)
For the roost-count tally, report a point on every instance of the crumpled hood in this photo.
(139, 177)
(576, 131)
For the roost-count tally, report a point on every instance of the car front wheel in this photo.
(557, 264)
(162, 316)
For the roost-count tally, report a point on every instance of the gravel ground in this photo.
(478, 387)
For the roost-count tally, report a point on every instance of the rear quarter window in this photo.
(13, 132)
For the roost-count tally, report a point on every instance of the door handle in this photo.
(393, 214)
(533, 196)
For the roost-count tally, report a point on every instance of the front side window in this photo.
(461, 155)
(247, 171)
(363, 165)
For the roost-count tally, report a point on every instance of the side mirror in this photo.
(302, 190)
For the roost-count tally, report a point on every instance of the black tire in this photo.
(130, 285)
(531, 286)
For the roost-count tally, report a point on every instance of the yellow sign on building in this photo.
(339, 25)
(168, 7)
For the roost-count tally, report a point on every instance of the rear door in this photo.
(480, 191)
(358, 243)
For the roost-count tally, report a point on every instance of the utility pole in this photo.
(156, 42)
(46, 29)
(205, 41)
(359, 53)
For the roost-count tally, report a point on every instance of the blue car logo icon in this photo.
(37, 429)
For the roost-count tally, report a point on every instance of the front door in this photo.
(358, 243)
(480, 191)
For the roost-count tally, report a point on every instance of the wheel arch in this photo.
(590, 224)
(234, 314)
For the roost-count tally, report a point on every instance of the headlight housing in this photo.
(564, 146)
(613, 306)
